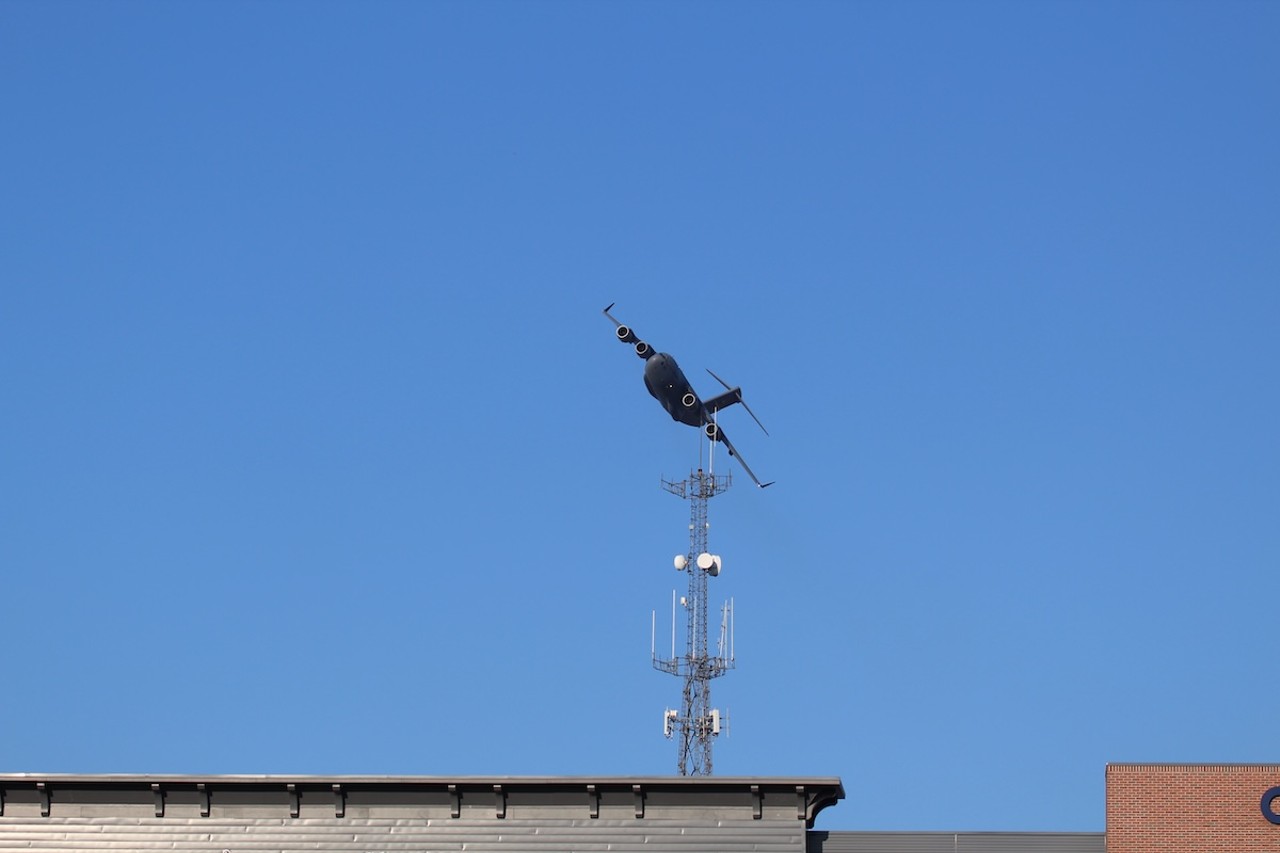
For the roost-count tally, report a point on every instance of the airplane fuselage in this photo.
(668, 385)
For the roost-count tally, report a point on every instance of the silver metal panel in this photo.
(706, 799)
(294, 835)
(957, 842)
(349, 814)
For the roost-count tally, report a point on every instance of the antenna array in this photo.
(696, 725)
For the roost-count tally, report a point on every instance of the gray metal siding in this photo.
(343, 835)
(956, 842)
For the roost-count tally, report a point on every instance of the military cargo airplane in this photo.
(668, 385)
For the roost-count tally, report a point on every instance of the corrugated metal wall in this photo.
(295, 835)
(957, 842)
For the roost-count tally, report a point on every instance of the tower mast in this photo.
(696, 725)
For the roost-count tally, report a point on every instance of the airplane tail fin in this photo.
(728, 398)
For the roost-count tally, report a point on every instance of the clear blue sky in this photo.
(319, 456)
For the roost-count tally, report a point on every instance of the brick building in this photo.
(1193, 808)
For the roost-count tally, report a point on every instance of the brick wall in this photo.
(1190, 808)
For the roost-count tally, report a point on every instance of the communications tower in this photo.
(696, 724)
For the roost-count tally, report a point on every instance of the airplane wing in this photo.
(615, 320)
(724, 439)
(628, 336)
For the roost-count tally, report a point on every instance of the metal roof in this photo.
(956, 842)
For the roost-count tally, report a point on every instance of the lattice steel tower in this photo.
(696, 725)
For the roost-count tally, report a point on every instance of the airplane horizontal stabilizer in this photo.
(728, 398)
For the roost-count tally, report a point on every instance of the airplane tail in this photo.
(728, 398)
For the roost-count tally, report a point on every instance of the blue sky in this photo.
(319, 456)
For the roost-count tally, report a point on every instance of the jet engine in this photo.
(689, 400)
(644, 350)
(712, 431)
(626, 335)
